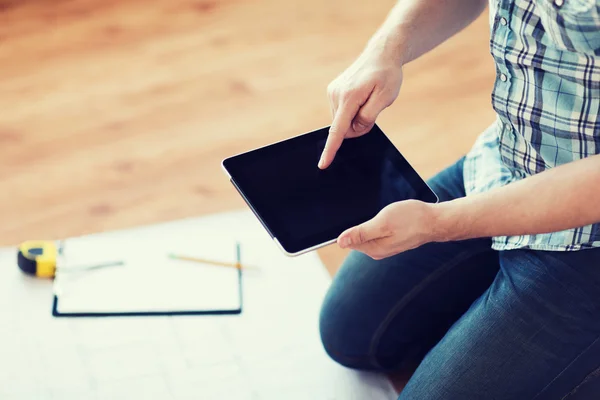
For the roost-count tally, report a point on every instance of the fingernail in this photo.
(321, 162)
(346, 242)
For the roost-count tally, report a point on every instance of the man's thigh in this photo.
(379, 313)
(535, 334)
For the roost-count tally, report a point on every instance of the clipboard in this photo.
(147, 283)
(229, 311)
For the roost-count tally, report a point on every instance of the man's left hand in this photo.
(399, 227)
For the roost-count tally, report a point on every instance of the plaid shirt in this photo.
(547, 100)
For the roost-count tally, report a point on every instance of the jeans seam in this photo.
(595, 372)
(349, 359)
(566, 368)
(410, 296)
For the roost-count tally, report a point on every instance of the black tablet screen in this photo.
(304, 206)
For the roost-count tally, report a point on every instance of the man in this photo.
(494, 292)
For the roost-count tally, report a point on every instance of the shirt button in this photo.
(559, 3)
(503, 78)
(503, 20)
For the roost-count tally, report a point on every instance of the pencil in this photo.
(236, 265)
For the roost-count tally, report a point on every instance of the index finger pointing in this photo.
(340, 126)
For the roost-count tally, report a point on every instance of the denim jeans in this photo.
(479, 323)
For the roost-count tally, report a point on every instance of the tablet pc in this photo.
(303, 207)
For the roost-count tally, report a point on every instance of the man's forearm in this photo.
(561, 198)
(414, 27)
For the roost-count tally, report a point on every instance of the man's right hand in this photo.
(372, 82)
(358, 95)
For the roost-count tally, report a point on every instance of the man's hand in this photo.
(358, 95)
(399, 227)
(372, 82)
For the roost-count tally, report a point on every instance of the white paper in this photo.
(271, 351)
(148, 280)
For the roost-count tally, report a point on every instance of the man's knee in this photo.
(355, 321)
(338, 331)
(345, 323)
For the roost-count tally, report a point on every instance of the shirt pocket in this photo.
(572, 25)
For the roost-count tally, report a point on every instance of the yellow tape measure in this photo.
(38, 258)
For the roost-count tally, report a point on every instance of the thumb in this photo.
(368, 113)
(360, 234)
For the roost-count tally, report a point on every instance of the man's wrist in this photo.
(390, 43)
(450, 221)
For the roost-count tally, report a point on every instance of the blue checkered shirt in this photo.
(547, 101)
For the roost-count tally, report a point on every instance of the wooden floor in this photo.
(117, 113)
